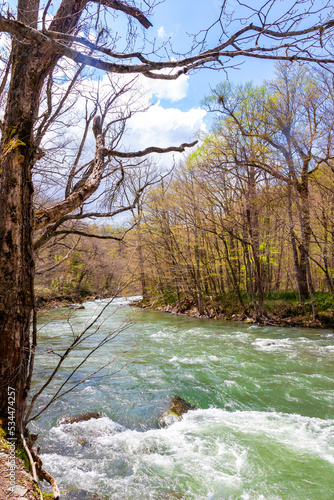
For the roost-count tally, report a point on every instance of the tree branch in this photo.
(186, 64)
(42, 271)
(147, 151)
(93, 235)
(130, 11)
(76, 199)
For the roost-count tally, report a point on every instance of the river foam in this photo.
(263, 430)
(207, 453)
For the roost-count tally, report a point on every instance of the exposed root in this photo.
(36, 466)
(31, 461)
(45, 476)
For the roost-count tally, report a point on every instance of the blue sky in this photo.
(177, 116)
(176, 18)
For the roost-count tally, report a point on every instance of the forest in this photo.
(243, 227)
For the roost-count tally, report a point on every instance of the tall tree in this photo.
(285, 121)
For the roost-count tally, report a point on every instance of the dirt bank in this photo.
(14, 475)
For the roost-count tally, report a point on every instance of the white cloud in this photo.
(164, 127)
(161, 32)
(173, 90)
(158, 126)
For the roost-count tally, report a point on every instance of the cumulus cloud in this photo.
(172, 90)
(164, 127)
(158, 126)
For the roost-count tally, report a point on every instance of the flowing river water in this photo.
(263, 427)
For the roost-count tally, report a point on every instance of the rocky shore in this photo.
(75, 301)
(189, 308)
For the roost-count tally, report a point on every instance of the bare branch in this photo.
(94, 235)
(147, 151)
(214, 55)
(130, 11)
(42, 271)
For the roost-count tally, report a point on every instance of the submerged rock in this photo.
(81, 417)
(177, 407)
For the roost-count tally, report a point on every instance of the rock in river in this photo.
(177, 407)
(81, 417)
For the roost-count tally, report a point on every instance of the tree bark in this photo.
(16, 226)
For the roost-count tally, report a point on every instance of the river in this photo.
(264, 427)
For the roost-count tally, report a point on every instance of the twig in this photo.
(31, 460)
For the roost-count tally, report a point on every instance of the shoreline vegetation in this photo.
(46, 303)
(282, 308)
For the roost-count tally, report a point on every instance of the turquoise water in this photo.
(264, 427)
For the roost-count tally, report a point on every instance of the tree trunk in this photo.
(306, 231)
(300, 268)
(234, 278)
(252, 218)
(142, 276)
(16, 227)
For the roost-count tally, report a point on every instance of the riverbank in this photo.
(13, 473)
(279, 312)
(281, 309)
(45, 303)
(47, 299)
